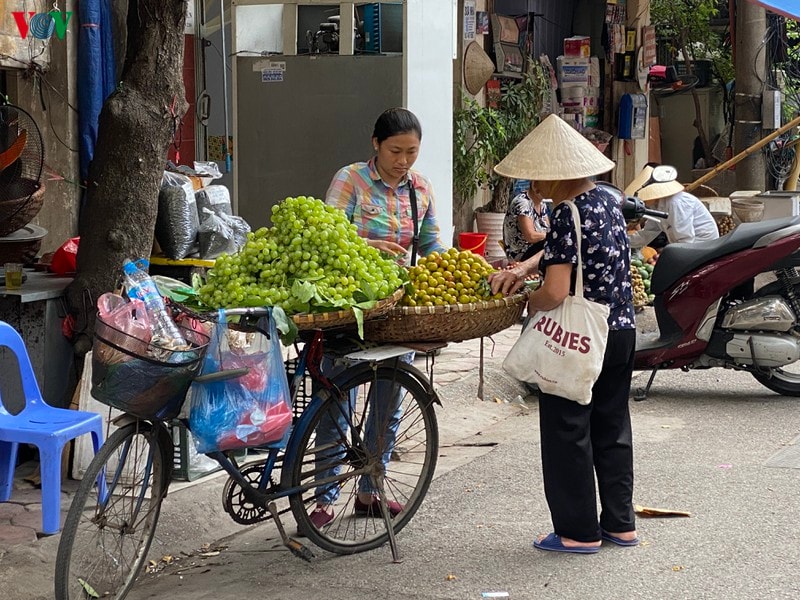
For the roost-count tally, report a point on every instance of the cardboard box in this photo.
(577, 46)
(573, 72)
(578, 72)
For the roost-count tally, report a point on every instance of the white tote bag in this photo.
(561, 350)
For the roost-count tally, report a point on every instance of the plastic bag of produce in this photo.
(216, 236)
(177, 222)
(250, 410)
(216, 198)
(240, 229)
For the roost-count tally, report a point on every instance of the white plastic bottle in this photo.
(138, 284)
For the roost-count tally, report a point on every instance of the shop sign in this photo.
(42, 25)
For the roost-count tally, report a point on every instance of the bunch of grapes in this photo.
(449, 278)
(312, 258)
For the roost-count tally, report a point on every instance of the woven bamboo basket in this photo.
(20, 204)
(342, 318)
(449, 323)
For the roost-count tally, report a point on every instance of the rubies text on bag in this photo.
(561, 350)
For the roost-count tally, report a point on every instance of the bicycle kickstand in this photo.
(292, 544)
(387, 519)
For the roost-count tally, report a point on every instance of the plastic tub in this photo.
(748, 210)
(474, 242)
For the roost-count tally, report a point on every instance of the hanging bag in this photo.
(561, 350)
(250, 410)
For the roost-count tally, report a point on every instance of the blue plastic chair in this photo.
(45, 426)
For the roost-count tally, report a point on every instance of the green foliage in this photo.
(687, 26)
(483, 136)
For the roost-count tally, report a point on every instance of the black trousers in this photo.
(579, 442)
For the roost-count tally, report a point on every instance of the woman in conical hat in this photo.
(579, 442)
(688, 219)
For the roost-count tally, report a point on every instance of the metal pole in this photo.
(225, 145)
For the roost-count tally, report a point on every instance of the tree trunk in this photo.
(134, 133)
(750, 75)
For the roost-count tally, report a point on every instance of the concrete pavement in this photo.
(192, 514)
(704, 443)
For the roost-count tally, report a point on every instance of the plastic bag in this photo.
(251, 410)
(64, 259)
(216, 236)
(125, 319)
(216, 198)
(240, 229)
(178, 221)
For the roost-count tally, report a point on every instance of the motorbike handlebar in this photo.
(633, 209)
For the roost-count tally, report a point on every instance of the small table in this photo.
(36, 311)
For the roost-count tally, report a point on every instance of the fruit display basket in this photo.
(449, 323)
(343, 318)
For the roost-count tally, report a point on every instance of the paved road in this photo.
(701, 445)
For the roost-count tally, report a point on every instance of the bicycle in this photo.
(112, 520)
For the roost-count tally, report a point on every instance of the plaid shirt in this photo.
(383, 213)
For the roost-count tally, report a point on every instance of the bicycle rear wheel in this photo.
(401, 464)
(113, 515)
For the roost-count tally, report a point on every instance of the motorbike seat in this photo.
(677, 260)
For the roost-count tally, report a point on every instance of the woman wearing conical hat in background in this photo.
(688, 220)
(579, 442)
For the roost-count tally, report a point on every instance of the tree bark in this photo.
(750, 75)
(134, 133)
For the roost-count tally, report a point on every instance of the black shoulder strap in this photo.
(412, 194)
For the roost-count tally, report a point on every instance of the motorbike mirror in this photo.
(663, 174)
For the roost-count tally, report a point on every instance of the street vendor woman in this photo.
(380, 196)
(580, 442)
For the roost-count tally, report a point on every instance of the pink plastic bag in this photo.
(128, 316)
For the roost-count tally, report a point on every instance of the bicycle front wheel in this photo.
(379, 436)
(113, 516)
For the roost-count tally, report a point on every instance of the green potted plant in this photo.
(482, 137)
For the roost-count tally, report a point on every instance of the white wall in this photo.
(428, 90)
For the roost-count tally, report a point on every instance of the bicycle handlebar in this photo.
(247, 312)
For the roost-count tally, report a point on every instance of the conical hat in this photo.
(654, 191)
(553, 151)
(638, 181)
(478, 68)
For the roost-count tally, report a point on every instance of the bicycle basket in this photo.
(142, 379)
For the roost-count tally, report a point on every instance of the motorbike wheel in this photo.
(780, 381)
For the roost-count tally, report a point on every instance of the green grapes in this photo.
(311, 259)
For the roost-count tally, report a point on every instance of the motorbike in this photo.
(731, 303)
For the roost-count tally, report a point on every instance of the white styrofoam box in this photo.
(778, 205)
(573, 71)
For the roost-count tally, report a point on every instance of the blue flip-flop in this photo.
(552, 543)
(617, 540)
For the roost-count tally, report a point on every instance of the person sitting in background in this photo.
(525, 225)
(688, 219)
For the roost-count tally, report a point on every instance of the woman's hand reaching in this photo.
(507, 281)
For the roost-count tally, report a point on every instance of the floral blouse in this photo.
(520, 206)
(605, 252)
